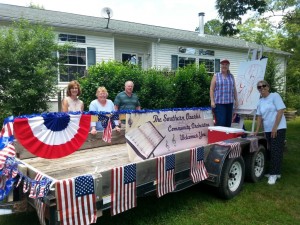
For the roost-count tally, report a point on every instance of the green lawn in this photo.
(258, 203)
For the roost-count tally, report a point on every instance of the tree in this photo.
(292, 44)
(28, 68)
(231, 11)
(212, 27)
(259, 31)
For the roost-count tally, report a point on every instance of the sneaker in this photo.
(278, 176)
(272, 179)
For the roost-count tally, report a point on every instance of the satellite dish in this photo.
(107, 13)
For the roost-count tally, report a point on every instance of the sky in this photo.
(179, 14)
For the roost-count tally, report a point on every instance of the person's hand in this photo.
(236, 104)
(93, 131)
(213, 105)
(274, 133)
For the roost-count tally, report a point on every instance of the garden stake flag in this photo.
(108, 124)
(123, 188)
(198, 171)
(107, 132)
(52, 135)
(76, 200)
(165, 174)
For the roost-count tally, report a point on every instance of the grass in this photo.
(258, 203)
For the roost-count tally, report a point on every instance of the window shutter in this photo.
(217, 65)
(91, 56)
(174, 62)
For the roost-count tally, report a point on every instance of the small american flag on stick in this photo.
(198, 171)
(165, 174)
(76, 200)
(123, 188)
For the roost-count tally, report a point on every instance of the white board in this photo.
(249, 73)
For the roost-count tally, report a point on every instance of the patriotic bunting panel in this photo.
(8, 165)
(52, 135)
(123, 189)
(165, 177)
(76, 200)
(38, 191)
(198, 171)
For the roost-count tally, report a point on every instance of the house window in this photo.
(133, 59)
(209, 65)
(74, 66)
(184, 61)
(71, 38)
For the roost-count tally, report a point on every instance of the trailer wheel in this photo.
(232, 178)
(256, 164)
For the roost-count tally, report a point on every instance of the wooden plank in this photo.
(93, 141)
(82, 162)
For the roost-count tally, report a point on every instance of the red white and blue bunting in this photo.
(52, 135)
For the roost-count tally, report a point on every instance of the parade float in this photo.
(69, 176)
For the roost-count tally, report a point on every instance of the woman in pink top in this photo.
(72, 103)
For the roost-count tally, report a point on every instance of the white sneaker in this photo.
(278, 176)
(272, 179)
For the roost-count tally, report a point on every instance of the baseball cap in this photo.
(225, 61)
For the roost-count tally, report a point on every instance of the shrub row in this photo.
(157, 89)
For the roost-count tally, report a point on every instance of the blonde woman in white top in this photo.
(72, 103)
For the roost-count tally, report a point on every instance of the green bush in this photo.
(191, 85)
(157, 90)
(188, 87)
(112, 75)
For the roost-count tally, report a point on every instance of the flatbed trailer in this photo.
(225, 172)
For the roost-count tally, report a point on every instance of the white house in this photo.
(146, 45)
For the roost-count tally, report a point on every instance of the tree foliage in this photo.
(231, 11)
(28, 68)
(291, 43)
(212, 27)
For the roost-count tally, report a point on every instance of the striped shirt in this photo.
(224, 89)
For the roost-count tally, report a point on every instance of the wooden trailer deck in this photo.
(94, 153)
(82, 162)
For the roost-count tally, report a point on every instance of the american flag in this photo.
(123, 188)
(76, 200)
(38, 203)
(198, 171)
(8, 151)
(108, 124)
(6, 133)
(165, 174)
(107, 132)
(235, 148)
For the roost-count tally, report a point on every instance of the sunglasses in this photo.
(259, 87)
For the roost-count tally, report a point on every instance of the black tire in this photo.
(232, 178)
(256, 164)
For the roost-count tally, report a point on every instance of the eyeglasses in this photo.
(259, 87)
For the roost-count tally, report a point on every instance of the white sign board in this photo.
(153, 134)
(249, 73)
